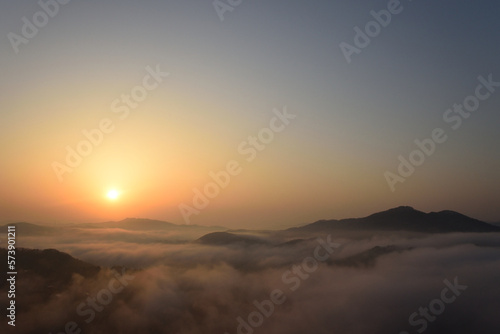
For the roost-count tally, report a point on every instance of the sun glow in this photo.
(113, 194)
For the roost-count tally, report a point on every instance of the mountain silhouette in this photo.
(52, 267)
(367, 258)
(404, 218)
(225, 238)
(135, 224)
(29, 229)
(142, 224)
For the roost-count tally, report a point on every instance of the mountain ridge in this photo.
(404, 218)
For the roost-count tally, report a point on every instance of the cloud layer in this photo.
(189, 287)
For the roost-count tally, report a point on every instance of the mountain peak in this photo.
(403, 208)
(406, 218)
(405, 212)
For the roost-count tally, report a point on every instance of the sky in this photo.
(261, 94)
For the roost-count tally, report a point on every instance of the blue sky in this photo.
(353, 119)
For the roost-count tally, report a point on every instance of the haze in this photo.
(224, 80)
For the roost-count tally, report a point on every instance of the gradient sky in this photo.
(226, 77)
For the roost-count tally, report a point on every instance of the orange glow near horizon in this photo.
(157, 150)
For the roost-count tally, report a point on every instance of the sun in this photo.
(113, 194)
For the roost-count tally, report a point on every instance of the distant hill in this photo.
(140, 224)
(134, 224)
(28, 229)
(404, 218)
(291, 243)
(225, 238)
(50, 266)
(367, 258)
